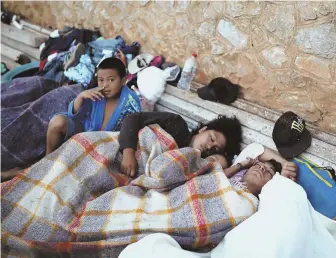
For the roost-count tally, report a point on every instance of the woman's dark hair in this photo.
(115, 64)
(231, 128)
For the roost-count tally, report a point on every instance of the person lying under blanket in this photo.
(100, 108)
(222, 135)
(255, 166)
(84, 175)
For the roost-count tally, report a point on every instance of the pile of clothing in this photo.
(71, 55)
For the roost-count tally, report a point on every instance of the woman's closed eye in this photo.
(271, 172)
(213, 138)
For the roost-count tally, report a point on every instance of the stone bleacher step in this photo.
(27, 37)
(14, 54)
(33, 53)
(255, 128)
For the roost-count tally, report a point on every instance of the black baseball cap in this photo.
(219, 90)
(290, 135)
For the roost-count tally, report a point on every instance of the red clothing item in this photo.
(44, 61)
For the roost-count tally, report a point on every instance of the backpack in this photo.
(319, 184)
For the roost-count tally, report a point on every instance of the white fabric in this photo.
(285, 226)
(42, 46)
(144, 59)
(329, 224)
(54, 34)
(151, 83)
(158, 245)
(106, 54)
(253, 150)
(51, 57)
(16, 23)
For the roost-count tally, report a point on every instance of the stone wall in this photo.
(282, 53)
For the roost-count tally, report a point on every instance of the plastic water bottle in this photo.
(188, 72)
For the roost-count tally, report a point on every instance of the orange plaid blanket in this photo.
(75, 202)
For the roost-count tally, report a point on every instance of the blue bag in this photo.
(319, 184)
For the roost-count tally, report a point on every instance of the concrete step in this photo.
(33, 53)
(14, 54)
(250, 111)
(255, 128)
(271, 115)
(26, 37)
(36, 28)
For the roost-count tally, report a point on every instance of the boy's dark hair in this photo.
(113, 63)
(231, 128)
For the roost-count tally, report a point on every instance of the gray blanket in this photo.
(76, 203)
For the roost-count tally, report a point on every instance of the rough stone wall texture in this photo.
(282, 53)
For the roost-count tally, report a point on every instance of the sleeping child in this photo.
(98, 109)
(229, 171)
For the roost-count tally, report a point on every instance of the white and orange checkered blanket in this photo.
(76, 202)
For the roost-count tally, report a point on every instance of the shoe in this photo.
(75, 56)
(23, 59)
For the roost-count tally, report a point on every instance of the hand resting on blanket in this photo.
(129, 164)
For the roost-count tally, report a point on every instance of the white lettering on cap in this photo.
(298, 125)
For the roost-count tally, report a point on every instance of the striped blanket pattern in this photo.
(75, 202)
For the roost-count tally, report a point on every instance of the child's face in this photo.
(208, 139)
(219, 159)
(110, 81)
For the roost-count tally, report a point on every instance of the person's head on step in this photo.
(221, 159)
(220, 136)
(259, 174)
(111, 76)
